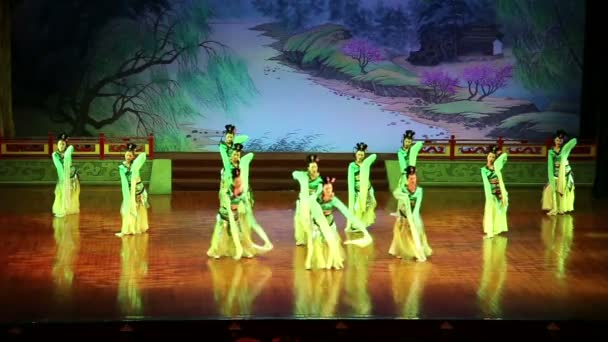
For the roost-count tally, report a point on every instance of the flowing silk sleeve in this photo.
(244, 166)
(565, 153)
(499, 164)
(550, 170)
(241, 139)
(568, 148)
(58, 166)
(347, 214)
(402, 161)
(225, 157)
(67, 172)
(124, 187)
(302, 178)
(414, 150)
(351, 187)
(487, 190)
(364, 180)
(367, 238)
(418, 203)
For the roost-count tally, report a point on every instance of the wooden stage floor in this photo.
(75, 269)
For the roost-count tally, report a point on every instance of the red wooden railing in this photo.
(100, 147)
(103, 147)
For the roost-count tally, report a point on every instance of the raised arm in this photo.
(351, 187)
(244, 166)
(224, 155)
(414, 150)
(568, 148)
(58, 166)
(487, 190)
(401, 158)
(550, 167)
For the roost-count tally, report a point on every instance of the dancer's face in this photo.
(61, 145)
(235, 157)
(558, 141)
(229, 138)
(407, 142)
(412, 180)
(491, 158)
(129, 156)
(359, 156)
(328, 190)
(313, 168)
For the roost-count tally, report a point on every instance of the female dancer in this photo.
(497, 198)
(67, 190)
(235, 220)
(412, 242)
(311, 185)
(558, 195)
(229, 141)
(361, 199)
(134, 209)
(408, 153)
(324, 243)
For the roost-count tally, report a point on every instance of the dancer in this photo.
(67, 190)
(229, 163)
(407, 154)
(412, 242)
(235, 219)
(497, 198)
(324, 248)
(134, 208)
(361, 199)
(229, 141)
(558, 195)
(311, 185)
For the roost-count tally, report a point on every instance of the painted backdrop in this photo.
(305, 75)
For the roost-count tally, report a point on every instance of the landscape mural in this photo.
(306, 75)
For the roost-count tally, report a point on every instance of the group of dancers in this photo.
(134, 207)
(314, 223)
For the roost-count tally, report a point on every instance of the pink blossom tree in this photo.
(486, 79)
(442, 84)
(363, 52)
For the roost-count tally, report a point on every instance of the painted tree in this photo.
(122, 77)
(485, 79)
(548, 40)
(363, 52)
(441, 83)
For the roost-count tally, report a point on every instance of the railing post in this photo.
(102, 147)
(151, 144)
(51, 142)
(452, 147)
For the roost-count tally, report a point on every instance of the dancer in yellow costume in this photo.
(412, 242)
(361, 199)
(311, 185)
(67, 190)
(134, 208)
(497, 198)
(558, 195)
(232, 235)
